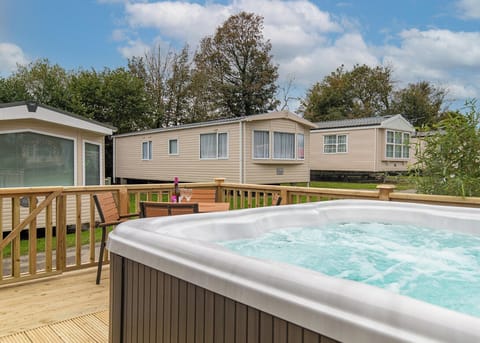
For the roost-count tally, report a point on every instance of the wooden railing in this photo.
(59, 222)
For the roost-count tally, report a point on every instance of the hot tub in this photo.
(170, 282)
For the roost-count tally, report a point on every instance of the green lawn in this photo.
(353, 185)
(85, 237)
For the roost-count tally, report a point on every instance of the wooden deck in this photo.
(65, 308)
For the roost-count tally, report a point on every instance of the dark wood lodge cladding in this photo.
(147, 305)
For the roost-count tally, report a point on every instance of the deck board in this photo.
(51, 309)
(88, 328)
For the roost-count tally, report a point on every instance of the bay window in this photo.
(283, 145)
(261, 144)
(300, 146)
(398, 144)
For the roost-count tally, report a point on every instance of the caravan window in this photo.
(214, 146)
(333, 144)
(34, 159)
(398, 144)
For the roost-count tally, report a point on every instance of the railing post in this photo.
(284, 195)
(384, 191)
(123, 203)
(218, 183)
(61, 231)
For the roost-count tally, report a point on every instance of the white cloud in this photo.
(286, 22)
(295, 28)
(470, 9)
(444, 57)
(134, 48)
(10, 56)
(178, 20)
(349, 49)
(308, 43)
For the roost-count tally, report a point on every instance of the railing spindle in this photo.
(15, 245)
(78, 230)
(32, 238)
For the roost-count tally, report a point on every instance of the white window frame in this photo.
(268, 148)
(100, 162)
(402, 145)
(45, 133)
(294, 146)
(178, 148)
(217, 157)
(148, 156)
(297, 146)
(336, 144)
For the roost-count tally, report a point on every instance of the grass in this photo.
(353, 185)
(70, 242)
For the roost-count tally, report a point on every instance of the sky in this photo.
(420, 40)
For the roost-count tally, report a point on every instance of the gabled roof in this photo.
(215, 122)
(388, 121)
(31, 110)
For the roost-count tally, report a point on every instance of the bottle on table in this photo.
(176, 197)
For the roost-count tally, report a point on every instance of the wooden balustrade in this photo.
(57, 211)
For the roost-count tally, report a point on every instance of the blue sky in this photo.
(433, 40)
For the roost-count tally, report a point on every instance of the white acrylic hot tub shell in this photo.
(343, 310)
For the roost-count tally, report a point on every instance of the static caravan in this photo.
(361, 146)
(266, 149)
(44, 146)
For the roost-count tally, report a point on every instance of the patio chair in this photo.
(158, 209)
(109, 215)
(203, 195)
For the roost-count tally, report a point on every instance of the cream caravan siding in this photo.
(187, 165)
(360, 155)
(275, 171)
(79, 136)
(417, 145)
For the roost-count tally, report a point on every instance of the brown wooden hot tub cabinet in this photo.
(147, 305)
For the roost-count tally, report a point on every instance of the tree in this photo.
(362, 92)
(449, 163)
(86, 89)
(124, 101)
(241, 75)
(420, 103)
(12, 89)
(167, 78)
(44, 83)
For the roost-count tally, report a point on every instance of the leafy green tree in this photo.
(420, 103)
(86, 99)
(44, 83)
(362, 92)
(449, 162)
(124, 101)
(241, 76)
(12, 89)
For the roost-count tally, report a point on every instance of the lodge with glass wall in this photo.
(43, 146)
